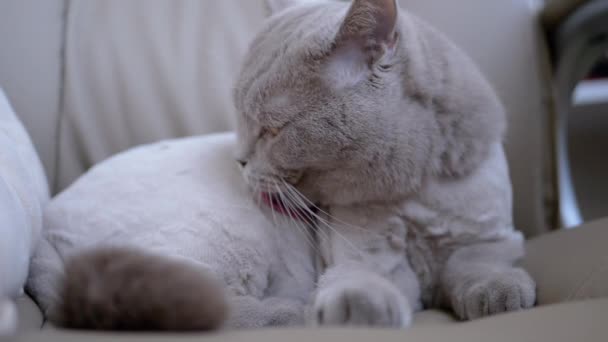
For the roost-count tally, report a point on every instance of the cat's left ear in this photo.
(369, 30)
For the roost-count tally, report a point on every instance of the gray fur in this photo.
(393, 130)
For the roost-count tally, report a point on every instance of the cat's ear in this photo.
(275, 6)
(369, 30)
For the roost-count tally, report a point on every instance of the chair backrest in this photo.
(132, 72)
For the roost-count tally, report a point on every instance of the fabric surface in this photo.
(579, 321)
(23, 195)
(139, 71)
(30, 316)
(570, 265)
(144, 70)
(30, 69)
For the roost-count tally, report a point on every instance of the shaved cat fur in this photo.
(373, 117)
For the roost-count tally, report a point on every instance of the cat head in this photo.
(327, 103)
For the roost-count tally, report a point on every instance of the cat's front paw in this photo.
(364, 303)
(495, 293)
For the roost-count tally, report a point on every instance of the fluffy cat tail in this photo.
(128, 289)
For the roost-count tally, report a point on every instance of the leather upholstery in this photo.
(580, 321)
(570, 265)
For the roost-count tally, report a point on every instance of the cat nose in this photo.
(242, 162)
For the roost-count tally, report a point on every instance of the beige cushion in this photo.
(30, 68)
(434, 317)
(581, 321)
(30, 317)
(570, 265)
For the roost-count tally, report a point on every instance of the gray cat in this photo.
(375, 135)
(389, 127)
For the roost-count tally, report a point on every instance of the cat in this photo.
(373, 115)
(376, 146)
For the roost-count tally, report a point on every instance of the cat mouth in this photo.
(276, 204)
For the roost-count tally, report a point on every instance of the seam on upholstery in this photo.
(61, 103)
(601, 267)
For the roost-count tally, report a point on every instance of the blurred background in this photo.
(588, 140)
(91, 78)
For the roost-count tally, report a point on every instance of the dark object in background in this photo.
(600, 69)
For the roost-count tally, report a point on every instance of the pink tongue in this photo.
(272, 201)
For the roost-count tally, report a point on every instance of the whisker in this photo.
(290, 208)
(291, 197)
(311, 204)
(297, 200)
(299, 197)
(274, 218)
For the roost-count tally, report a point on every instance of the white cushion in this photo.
(23, 194)
(140, 71)
(30, 68)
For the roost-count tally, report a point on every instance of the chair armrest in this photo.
(555, 11)
(571, 264)
(577, 41)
